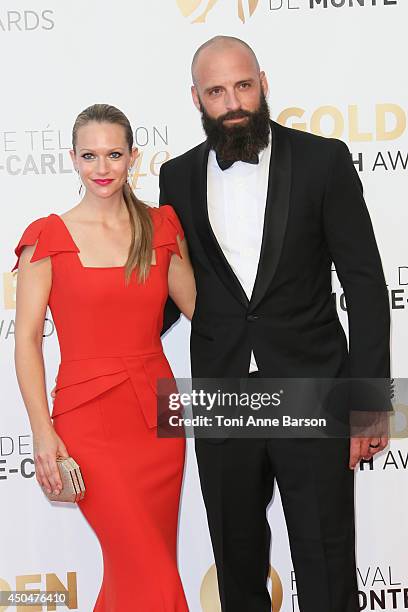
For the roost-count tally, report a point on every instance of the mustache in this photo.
(238, 114)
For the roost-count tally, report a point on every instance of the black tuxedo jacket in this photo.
(315, 216)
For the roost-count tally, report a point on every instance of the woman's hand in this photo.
(47, 447)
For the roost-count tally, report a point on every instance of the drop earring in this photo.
(81, 185)
(130, 178)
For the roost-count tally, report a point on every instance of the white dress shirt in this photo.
(236, 209)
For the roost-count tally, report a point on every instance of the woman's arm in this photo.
(33, 288)
(182, 288)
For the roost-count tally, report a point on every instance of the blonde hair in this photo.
(140, 250)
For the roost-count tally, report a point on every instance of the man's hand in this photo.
(365, 448)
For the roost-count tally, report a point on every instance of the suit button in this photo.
(252, 317)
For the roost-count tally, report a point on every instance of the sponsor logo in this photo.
(16, 459)
(7, 323)
(397, 291)
(379, 589)
(380, 123)
(198, 10)
(26, 21)
(46, 584)
(276, 5)
(210, 600)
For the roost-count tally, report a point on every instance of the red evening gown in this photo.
(105, 412)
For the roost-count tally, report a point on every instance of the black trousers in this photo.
(317, 491)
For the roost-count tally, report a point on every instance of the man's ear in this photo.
(195, 97)
(264, 83)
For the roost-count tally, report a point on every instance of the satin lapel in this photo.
(204, 229)
(276, 213)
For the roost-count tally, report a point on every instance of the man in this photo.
(266, 210)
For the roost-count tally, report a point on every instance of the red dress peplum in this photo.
(105, 411)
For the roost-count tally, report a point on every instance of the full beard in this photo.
(238, 142)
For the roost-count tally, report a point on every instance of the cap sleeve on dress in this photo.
(167, 229)
(50, 237)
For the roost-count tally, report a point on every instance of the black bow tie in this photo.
(224, 164)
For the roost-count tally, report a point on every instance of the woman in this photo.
(105, 268)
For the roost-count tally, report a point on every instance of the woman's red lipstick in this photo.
(103, 181)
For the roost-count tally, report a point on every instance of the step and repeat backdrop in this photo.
(336, 68)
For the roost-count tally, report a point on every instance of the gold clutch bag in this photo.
(73, 487)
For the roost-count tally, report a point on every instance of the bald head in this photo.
(227, 79)
(218, 45)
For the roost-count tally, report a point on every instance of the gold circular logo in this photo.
(210, 599)
(188, 7)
